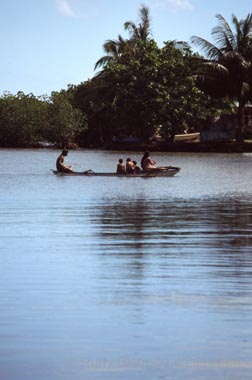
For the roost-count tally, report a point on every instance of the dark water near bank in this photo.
(118, 278)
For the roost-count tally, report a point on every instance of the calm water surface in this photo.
(129, 279)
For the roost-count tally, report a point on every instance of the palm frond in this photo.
(245, 89)
(211, 51)
(247, 26)
(235, 59)
(103, 61)
(111, 47)
(144, 25)
(144, 14)
(221, 39)
(142, 30)
(223, 34)
(244, 36)
(114, 50)
(215, 68)
(131, 27)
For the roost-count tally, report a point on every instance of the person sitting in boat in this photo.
(61, 167)
(129, 166)
(137, 169)
(148, 164)
(120, 167)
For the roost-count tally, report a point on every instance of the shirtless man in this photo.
(60, 163)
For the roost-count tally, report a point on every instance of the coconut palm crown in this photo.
(227, 69)
(116, 49)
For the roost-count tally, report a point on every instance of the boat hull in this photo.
(169, 172)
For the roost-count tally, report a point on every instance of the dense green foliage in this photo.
(152, 91)
(227, 71)
(26, 119)
(141, 90)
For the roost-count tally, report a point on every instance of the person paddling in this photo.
(60, 163)
(149, 165)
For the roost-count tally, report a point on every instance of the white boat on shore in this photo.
(188, 137)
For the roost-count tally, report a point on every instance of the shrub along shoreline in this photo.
(169, 147)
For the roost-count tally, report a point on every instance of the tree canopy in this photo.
(227, 69)
(26, 119)
(142, 88)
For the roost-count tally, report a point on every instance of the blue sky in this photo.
(48, 44)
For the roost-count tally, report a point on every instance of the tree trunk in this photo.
(241, 123)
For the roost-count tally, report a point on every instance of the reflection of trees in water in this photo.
(165, 251)
(219, 228)
(124, 235)
(229, 221)
(232, 222)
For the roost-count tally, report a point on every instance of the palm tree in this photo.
(117, 49)
(227, 69)
(140, 32)
(114, 50)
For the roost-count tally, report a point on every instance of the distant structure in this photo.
(224, 127)
(220, 129)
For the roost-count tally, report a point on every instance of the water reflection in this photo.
(153, 277)
(225, 223)
(203, 243)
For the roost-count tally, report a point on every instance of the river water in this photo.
(125, 278)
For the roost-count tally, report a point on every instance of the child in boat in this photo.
(129, 166)
(60, 163)
(137, 170)
(120, 167)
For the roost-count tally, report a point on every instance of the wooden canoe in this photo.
(164, 172)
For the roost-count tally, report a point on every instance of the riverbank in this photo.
(183, 147)
(230, 147)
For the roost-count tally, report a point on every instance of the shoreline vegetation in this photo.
(169, 147)
(142, 91)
